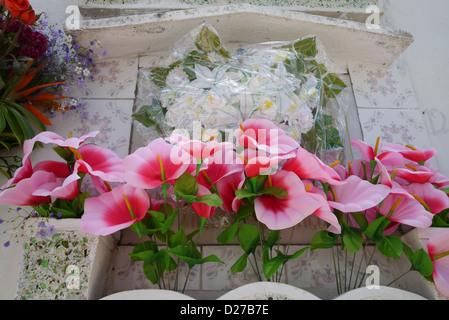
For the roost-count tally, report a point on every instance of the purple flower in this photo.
(1, 220)
(41, 233)
(51, 231)
(41, 224)
(6, 244)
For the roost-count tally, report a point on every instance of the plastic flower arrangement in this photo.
(387, 192)
(264, 179)
(284, 82)
(38, 66)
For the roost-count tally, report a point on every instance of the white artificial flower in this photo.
(86, 72)
(177, 78)
(79, 70)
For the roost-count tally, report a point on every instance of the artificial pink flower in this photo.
(199, 149)
(362, 169)
(324, 212)
(412, 172)
(436, 200)
(438, 250)
(49, 178)
(264, 135)
(307, 166)
(114, 210)
(368, 153)
(278, 214)
(223, 163)
(227, 187)
(21, 194)
(404, 209)
(356, 195)
(102, 164)
(259, 162)
(157, 163)
(202, 209)
(48, 137)
(409, 152)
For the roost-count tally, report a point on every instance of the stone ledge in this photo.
(155, 33)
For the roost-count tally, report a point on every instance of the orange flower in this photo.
(17, 7)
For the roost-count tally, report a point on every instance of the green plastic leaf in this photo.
(376, 227)
(390, 246)
(275, 191)
(186, 186)
(248, 237)
(323, 240)
(228, 235)
(240, 264)
(353, 239)
(273, 237)
(243, 194)
(422, 263)
(361, 220)
(306, 47)
(169, 222)
(212, 200)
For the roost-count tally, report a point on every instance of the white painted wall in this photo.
(428, 63)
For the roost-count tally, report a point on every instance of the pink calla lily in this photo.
(411, 172)
(438, 250)
(223, 163)
(409, 152)
(202, 209)
(101, 162)
(199, 149)
(405, 210)
(157, 163)
(356, 195)
(114, 210)
(435, 200)
(264, 135)
(279, 214)
(259, 162)
(307, 166)
(226, 188)
(324, 212)
(22, 193)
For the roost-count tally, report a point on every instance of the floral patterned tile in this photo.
(115, 78)
(316, 272)
(129, 275)
(395, 126)
(382, 87)
(217, 276)
(111, 117)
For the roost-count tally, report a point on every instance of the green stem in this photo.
(398, 278)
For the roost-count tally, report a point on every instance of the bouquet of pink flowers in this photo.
(259, 175)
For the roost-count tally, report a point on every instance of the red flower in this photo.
(17, 7)
(28, 17)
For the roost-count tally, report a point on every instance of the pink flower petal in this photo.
(226, 188)
(307, 166)
(435, 199)
(419, 154)
(109, 212)
(356, 195)
(264, 135)
(142, 168)
(409, 211)
(278, 214)
(101, 162)
(22, 193)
